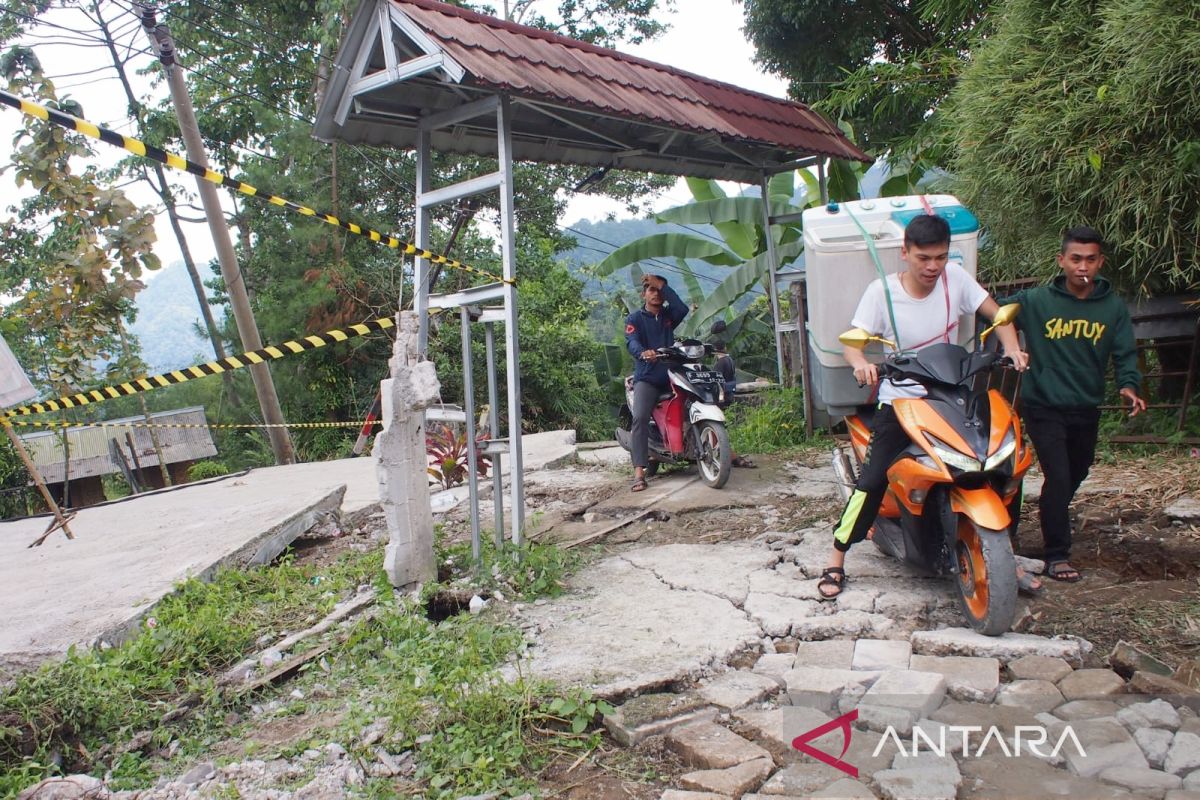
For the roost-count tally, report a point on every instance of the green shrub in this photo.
(206, 469)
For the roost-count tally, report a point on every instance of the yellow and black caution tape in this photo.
(203, 370)
(140, 148)
(30, 423)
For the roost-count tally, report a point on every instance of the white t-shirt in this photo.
(923, 322)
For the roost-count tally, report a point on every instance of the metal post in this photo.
(472, 449)
(772, 268)
(489, 333)
(822, 182)
(423, 224)
(800, 298)
(512, 349)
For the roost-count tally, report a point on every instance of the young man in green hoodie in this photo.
(1072, 327)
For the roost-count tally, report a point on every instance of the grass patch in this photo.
(770, 422)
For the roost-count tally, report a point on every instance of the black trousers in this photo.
(645, 397)
(1065, 442)
(888, 440)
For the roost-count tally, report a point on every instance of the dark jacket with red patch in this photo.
(646, 331)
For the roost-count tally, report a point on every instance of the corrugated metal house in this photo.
(91, 451)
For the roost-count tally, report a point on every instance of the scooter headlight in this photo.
(951, 457)
(693, 351)
(1008, 446)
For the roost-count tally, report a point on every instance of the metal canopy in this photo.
(403, 61)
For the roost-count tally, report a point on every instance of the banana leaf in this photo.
(666, 245)
(695, 294)
(732, 288)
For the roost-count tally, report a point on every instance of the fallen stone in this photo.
(679, 794)
(70, 787)
(1185, 509)
(799, 780)
(1184, 755)
(777, 727)
(845, 789)
(900, 605)
(775, 613)
(828, 654)
(737, 688)
(1155, 743)
(857, 598)
(1188, 673)
(1039, 668)
(883, 718)
(1006, 648)
(841, 624)
(708, 746)
(1191, 781)
(198, 774)
(1182, 794)
(1155, 714)
(919, 693)
(1091, 684)
(1150, 683)
(1125, 659)
(1105, 744)
(881, 654)
(968, 678)
(1086, 709)
(1031, 695)
(914, 784)
(733, 781)
(774, 664)
(1152, 782)
(983, 716)
(653, 714)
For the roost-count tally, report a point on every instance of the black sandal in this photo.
(1062, 570)
(639, 485)
(830, 577)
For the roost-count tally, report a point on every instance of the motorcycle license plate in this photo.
(705, 377)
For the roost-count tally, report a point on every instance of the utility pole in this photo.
(243, 315)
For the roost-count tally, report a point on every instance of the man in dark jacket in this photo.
(1072, 327)
(650, 327)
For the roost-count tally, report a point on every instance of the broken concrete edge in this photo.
(262, 550)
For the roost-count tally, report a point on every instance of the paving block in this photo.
(884, 718)
(734, 781)
(1008, 647)
(800, 780)
(1152, 782)
(774, 664)
(920, 693)
(845, 789)
(915, 784)
(1039, 668)
(1032, 695)
(737, 688)
(842, 624)
(968, 678)
(776, 727)
(820, 688)
(1155, 714)
(827, 654)
(1086, 709)
(708, 746)
(881, 654)
(652, 714)
(1105, 744)
(1091, 684)
(1155, 744)
(1184, 755)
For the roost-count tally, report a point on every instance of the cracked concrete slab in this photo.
(723, 570)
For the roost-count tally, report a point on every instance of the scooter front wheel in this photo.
(987, 577)
(714, 456)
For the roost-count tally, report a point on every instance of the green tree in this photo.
(1085, 112)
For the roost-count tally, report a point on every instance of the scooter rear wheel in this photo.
(987, 577)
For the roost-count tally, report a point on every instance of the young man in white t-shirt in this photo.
(927, 300)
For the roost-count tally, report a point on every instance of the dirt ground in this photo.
(1142, 579)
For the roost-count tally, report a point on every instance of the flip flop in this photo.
(830, 577)
(639, 485)
(1063, 571)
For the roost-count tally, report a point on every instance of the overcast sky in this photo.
(705, 38)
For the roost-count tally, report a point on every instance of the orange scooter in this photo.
(954, 493)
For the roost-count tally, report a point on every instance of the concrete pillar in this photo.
(401, 462)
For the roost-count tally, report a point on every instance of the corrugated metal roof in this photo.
(534, 63)
(89, 445)
(576, 103)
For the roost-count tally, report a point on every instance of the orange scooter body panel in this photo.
(983, 506)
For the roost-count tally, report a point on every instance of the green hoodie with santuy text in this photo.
(1070, 341)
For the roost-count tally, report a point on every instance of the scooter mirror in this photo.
(1004, 316)
(859, 339)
